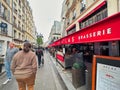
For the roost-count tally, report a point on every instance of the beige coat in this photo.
(24, 64)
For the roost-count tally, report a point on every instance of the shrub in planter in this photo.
(79, 66)
(78, 74)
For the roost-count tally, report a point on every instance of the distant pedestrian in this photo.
(11, 51)
(24, 67)
(39, 53)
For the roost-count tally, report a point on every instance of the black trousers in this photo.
(39, 60)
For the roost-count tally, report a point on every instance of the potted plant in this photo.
(78, 74)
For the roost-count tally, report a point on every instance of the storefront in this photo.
(102, 38)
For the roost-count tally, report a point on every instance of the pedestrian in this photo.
(39, 54)
(11, 51)
(24, 67)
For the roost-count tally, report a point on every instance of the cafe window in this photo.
(104, 48)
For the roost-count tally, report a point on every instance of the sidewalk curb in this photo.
(65, 80)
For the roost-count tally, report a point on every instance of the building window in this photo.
(68, 21)
(74, 14)
(19, 36)
(72, 30)
(15, 34)
(83, 5)
(4, 28)
(90, 21)
(95, 17)
(98, 17)
(5, 13)
(104, 13)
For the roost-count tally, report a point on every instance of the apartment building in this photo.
(30, 26)
(16, 23)
(83, 13)
(5, 24)
(55, 33)
(23, 24)
(63, 19)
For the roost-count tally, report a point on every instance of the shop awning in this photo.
(105, 30)
(56, 43)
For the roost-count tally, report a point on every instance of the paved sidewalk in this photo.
(47, 78)
(66, 76)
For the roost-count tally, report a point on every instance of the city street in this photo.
(47, 78)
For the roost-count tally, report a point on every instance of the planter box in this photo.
(78, 77)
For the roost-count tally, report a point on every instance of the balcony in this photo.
(3, 32)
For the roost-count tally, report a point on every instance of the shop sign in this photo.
(105, 30)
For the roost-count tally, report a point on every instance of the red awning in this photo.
(56, 43)
(105, 30)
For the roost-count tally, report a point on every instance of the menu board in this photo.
(108, 77)
(106, 73)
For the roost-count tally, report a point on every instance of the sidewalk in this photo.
(66, 76)
(2, 76)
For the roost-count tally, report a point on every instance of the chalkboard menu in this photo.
(106, 73)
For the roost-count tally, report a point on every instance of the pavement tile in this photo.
(66, 75)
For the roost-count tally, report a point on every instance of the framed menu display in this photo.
(106, 73)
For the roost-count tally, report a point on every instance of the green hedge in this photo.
(79, 66)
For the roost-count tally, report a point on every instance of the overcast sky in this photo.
(44, 14)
